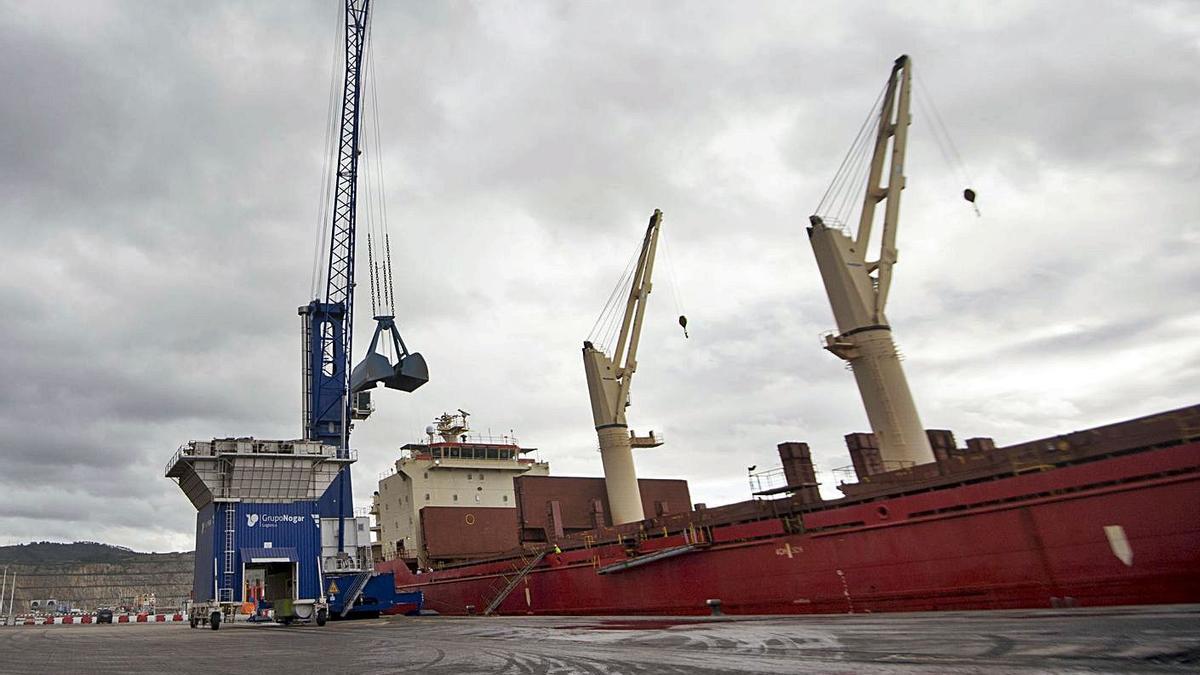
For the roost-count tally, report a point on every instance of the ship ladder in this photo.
(225, 594)
(356, 589)
(512, 583)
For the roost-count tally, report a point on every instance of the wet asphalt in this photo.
(1112, 640)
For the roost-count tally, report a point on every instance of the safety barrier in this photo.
(89, 619)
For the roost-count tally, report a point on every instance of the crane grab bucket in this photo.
(409, 372)
(370, 372)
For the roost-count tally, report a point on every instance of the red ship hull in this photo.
(1117, 531)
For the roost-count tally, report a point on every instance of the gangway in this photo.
(356, 589)
(512, 583)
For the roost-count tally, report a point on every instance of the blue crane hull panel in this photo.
(294, 528)
(378, 597)
(202, 577)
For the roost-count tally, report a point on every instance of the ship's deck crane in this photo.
(858, 288)
(328, 322)
(608, 380)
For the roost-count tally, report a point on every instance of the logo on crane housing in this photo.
(272, 520)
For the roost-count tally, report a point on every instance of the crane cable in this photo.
(839, 199)
(371, 223)
(617, 316)
(945, 143)
(382, 195)
(383, 295)
(603, 326)
(331, 140)
(675, 295)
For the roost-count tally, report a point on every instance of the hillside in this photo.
(57, 552)
(89, 574)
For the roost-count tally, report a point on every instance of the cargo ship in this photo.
(1104, 516)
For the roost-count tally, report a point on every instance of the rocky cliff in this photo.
(87, 575)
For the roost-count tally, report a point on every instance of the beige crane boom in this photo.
(608, 382)
(858, 298)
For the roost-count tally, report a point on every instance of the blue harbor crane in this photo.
(328, 323)
(334, 395)
(276, 534)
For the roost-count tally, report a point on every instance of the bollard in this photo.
(714, 606)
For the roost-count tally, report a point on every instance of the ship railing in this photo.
(490, 439)
(187, 449)
(466, 439)
(767, 479)
(848, 474)
(356, 562)
(651, 440)
(210, 449)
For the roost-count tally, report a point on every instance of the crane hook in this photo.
(969, 195)
(683, 325)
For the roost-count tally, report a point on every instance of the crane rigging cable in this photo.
(331, 124)
(604, 330)
(674, 285)
(945, 143)
(941, 133)
(395, 367)
(382, 239)
(606, 324)
(383, 297)
(840, 196)
(853, 186)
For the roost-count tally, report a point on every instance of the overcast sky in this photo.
(160, 182)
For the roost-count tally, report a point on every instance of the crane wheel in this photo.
(322, 617)
(214, 621)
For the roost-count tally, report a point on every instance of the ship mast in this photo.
(858, 288)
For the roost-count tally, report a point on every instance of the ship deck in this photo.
(1163, 639)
